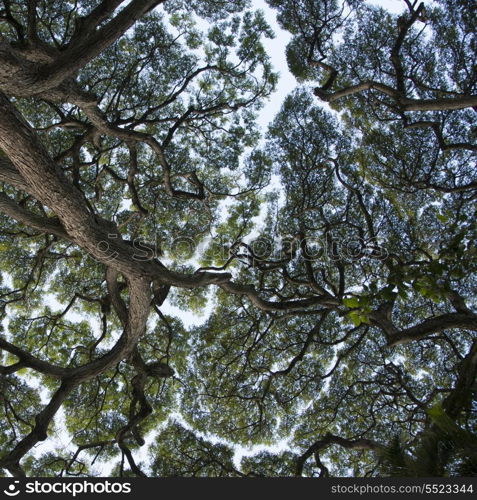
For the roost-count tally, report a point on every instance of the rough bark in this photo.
(22, 77)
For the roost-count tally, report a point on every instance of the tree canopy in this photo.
(332, 257)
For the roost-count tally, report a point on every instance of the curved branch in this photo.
(330, 439)
(284, 305)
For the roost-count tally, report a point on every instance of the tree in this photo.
(340, 307)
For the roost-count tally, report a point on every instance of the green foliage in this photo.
(443, 450)
(340, 245)
(180, 452)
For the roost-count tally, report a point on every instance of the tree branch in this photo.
(330, 439)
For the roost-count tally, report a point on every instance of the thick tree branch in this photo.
(404, 103)
(465, 321)
(42, 224)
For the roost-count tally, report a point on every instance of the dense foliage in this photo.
(332, 260)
